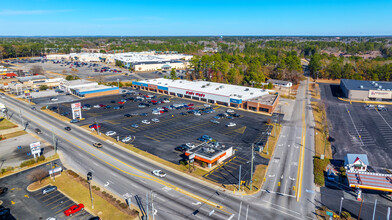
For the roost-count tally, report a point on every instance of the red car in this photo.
(153, 101)
(121, 103)
(73, 209)
(190, 104)
(161, 112)
(102, 105)
(190, 108)
(95, 126)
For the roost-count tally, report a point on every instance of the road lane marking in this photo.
(149, 177)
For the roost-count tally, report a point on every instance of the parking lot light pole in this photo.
(251, 169)
(118, 83)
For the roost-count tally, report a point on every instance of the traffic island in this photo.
(106, 206)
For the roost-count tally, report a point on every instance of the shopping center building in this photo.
(254, 99)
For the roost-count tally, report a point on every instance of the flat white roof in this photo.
(232, 91)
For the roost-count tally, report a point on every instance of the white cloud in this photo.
(31, 12)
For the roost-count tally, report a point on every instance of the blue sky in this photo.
(169, 18)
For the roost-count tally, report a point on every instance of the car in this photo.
(113, 101)
(236, 115)
(73, 209)
(94, 218)
(159, 173)
(38, 131)
(5, 213)
(108, 107)
(217, 117)
(166, 101)
(156, 112)
(134, 126)
(215, 121)
(94, 126)
(110, 133)
(155, 120)
(74, 121)
(49, 189)
(141, 106)
(207, 105)
(230, 110)
(67, 128)
(191, 104)
(197, 113)
(190, 108)
(126, 139)
(116, 107)
(54, 99)
(231, 124)
(102, 105)
(369, 106)
(183, 113)
(97, 106)
(3, 190)
(143, 114)
(134, 114)
(381, 108)
(86, 108)
(180, 148)
(190, 145)
(146, 122)
(206, 137)
(127, 115)
(121, 103)
(97, 145)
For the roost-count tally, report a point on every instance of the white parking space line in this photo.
(359, 136)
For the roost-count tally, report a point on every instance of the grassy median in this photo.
(106, 207)
(6, 124)
(322, 145)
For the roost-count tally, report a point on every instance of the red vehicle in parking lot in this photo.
(190, 108)
(121, 103)
(154, 101)
(73, 209)
(190, 104)
(102, 105)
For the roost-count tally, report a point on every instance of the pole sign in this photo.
(76, 110)
(35, 148)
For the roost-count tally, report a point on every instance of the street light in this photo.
(118, 83)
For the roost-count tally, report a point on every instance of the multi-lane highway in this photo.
(177, 196)
(289, 180)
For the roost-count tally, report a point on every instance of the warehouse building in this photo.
(255, 99)
(366, 90)
(88, 89)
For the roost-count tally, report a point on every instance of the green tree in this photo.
(43, 87)
(173, 74)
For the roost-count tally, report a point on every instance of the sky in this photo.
(195, 18)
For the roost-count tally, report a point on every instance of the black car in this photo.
(67, 128)
(112, 101)
(183, 113)
(180, 148)
(127, 115)
(236, 115)
(4, 213)
(94, 218)
(3, 190)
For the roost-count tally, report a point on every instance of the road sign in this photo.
(35, 148)
(55, 170)
(76, 110)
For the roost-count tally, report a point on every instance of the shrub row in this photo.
(319, 168)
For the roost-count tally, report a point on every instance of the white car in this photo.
(146, 122)
(159, 173)
(96, 106)
(86, 108)
(155, 120)
(126, 139)
(54, 99)
(197, 113)
(190, 145)
(110, 133)
(207, 105)
(230, 110)
(231, 124)
(166, 101)
(156, 113)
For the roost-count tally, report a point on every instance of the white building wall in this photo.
(206, 95)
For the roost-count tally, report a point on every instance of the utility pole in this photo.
(21, 117)
(360, 209)
(374, 210)
(239, 180)
(152, 206)
(89, 178)
(147, 205)
(341, 203)
(251, 169)
(97, 126)
(54, 142)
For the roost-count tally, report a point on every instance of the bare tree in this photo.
(36, 69)
(38, 175)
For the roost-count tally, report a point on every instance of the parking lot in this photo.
(34, 205)
(357, 129)
(176, 127)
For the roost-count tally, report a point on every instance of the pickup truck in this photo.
(97, 145)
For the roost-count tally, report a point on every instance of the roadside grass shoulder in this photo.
(25, 165)
(6, 124)
(12, 135)
(322, 145)
(106, 206)
(314, 89)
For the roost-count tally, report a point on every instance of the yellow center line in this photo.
(301, 153)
